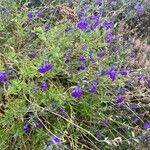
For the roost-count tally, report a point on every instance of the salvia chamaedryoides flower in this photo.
(147, 125)
(46, 26)
(63, 112)
(55, 139)
(119, 99)
(133, 106)
(81, 58)
(3, 77)
(38, 14)
(108, 25)
(109, 37)
(119, 105)
(121, 90)
(68, 28)
(135, 119)
(112, 72)
(114, 49)
(140, 76)
(82, 24)
(45, 67)
(139, 7)
(84, 47)
(82, 11)
(89, 23)
(93, 88)
(104, 122)
(76, 92)
(44, 86)
(30, 14)
(66, 56)
(82, 67)
(132, 55)
(27, 128)
(37, 124)
(95, 23)
(148, 83)
(98, 2)
(101, 54)
(123, 73)
(98, 134)
(32, 55)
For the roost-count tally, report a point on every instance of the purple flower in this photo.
(98, 2)
(123, 73)
(93, 26)
(84, 47)
(27, 128)
(32, 55)
(108, 25)
(133, 106)
(30, 14)
(3, 77)
(44, 86)
(70, 17)
(83, 10)
(112, 73)
(76, 92)
(114, 49)
(98, 134)
(140, 76)
(61, 109)
(136, 119)
(114, 68)
(128, 83)
(119, 105)
(139, 7)
(63, 112)
(45, 67)
(81, 58)
(55, 139)
(101, 54)
(148, 83)
(82, 13)
(147, 125)
(38, 14)
(104, 122)
(82, 25)
(93, 88)
(46, 26)
(119, 99)
(90, 53)
(68, 28)
(109, 37)
(93, 22)
(121, 90)
(82, 67)
(37, 124)
(129, 68)
(66, 57)
(132, 55)
(113, 3)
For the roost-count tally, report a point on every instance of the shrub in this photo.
(72, 83)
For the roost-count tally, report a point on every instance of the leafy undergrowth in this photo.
(73, 83)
